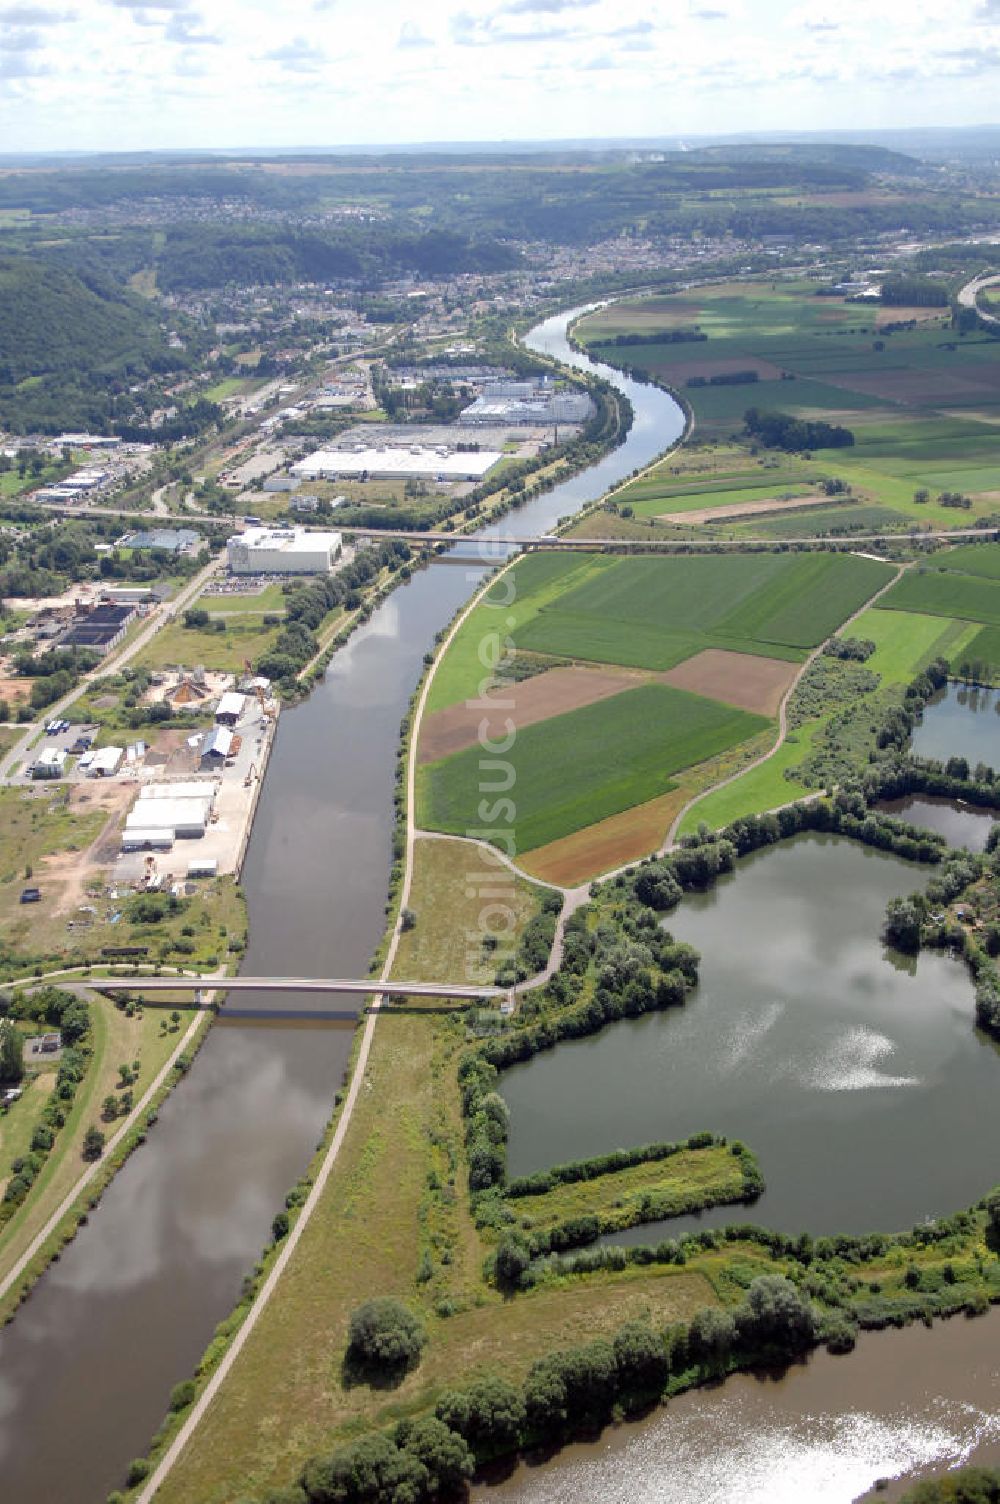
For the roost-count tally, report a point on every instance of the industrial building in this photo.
(231, 708)
(50, 763)
(182, 540)
(543, 407)
(168, 812)
(399, 462)
(105, 762)
(98, 630)
(282, 550)
(219, 744)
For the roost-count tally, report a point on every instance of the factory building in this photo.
(284, 550)
(399, 462)
(98, 630)
(50, 763)
(164, 813)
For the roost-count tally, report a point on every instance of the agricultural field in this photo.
(654, 613)
(650, 678)
(621, 753)
(923, 402)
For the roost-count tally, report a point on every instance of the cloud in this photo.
(297, 56)
(143, 5)
(705, 14)
(183, 29)
(543, 7)
(33, 15)
(21, 41)
(634, 29)
(410, 35)
(19, 65)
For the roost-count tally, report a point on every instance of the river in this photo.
(87, 1366)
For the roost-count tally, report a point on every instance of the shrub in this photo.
(384, 1337)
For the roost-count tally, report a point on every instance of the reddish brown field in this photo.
(744, 509)
(609, 844)
(536, 699)
(682, 369)
(741, 679)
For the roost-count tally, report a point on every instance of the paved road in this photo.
(970, 292)
(18, 753)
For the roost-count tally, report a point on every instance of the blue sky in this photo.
(143, 74)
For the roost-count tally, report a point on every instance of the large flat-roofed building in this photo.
(98, 630)
(169, 540)
(273, 550)
(399, 462)
(541, 409)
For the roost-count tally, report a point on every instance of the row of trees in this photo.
(568, 1392)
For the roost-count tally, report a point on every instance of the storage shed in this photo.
(231, 709)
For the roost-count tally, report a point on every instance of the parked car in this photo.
(30, 895)
(82, 744)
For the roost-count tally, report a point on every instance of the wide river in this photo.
(87, 1366)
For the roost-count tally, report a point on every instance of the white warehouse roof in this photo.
(231, 703)
(203, 788)
(395, 460)
(169, 814)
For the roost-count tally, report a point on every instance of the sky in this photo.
(154, 74)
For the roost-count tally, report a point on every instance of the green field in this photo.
(938, 592)
(981, 559)
(980, 656)
(655, 612)
(621, 752)
(904, 642)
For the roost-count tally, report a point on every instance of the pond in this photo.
(964, 825)
(963, 720)
(855, 1074)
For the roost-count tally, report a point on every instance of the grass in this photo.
(459, 895)
(581, 767)
(271, 598)
(245, 637)
(981, 655)
(510, 603)
(692, 1175)
(761, 788)
(905, 642)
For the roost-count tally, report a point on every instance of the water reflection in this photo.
(861, 1085)
(903, 1404)
(961, 721)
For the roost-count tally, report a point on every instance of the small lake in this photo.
(962, 721)
(903, 1405)
(962, 825)
(855, 1074)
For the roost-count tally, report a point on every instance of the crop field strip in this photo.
(621, 752)
(654, 613)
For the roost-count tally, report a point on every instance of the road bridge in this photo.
(152, 984)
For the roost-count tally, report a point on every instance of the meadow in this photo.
(622, 752)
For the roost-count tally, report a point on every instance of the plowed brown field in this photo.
(745, 509)
(552, 693)
(741, 679)
(608, 844)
